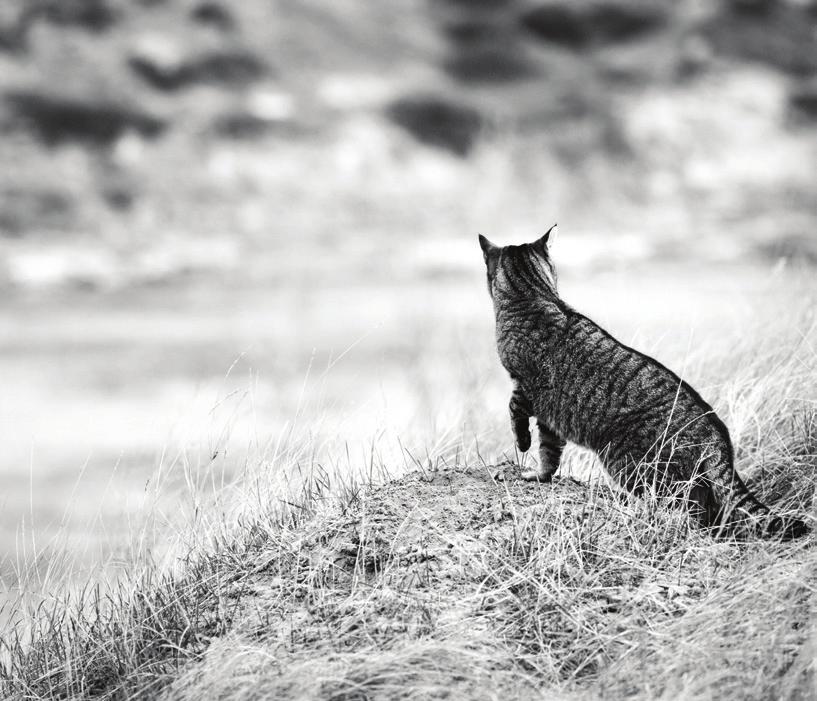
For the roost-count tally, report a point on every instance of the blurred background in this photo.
(222, 220)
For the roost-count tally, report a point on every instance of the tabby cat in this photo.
(649, 427)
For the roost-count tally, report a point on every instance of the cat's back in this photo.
(603, 388)
(630, 378)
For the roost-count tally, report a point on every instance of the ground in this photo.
(469, 583)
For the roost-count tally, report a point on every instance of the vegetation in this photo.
(455, 579)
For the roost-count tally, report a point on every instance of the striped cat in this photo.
(649, 427)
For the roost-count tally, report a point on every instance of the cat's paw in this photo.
(536, 476)
(523, 441)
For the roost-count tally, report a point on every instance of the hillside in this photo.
(450, 582)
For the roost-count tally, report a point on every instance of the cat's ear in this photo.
(543, 241)
(487, 247)
(490, 252)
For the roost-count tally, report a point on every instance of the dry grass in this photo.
(339, 578)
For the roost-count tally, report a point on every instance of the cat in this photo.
(648, 427)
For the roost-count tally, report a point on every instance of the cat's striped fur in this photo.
(649, 427)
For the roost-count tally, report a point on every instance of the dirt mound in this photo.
(412, 562)
(453, 583)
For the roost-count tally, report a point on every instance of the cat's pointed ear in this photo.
(490, 252)
(487, 247)
(542, 242)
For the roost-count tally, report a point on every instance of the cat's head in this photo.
(519, 271)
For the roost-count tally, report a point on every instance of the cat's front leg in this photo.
(521, 412)
(550, 453)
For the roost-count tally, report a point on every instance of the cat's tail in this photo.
(747, 514)
(787, 528)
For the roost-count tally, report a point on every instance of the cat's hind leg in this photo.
(704, 506)
(550, 453)
(644, 477)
